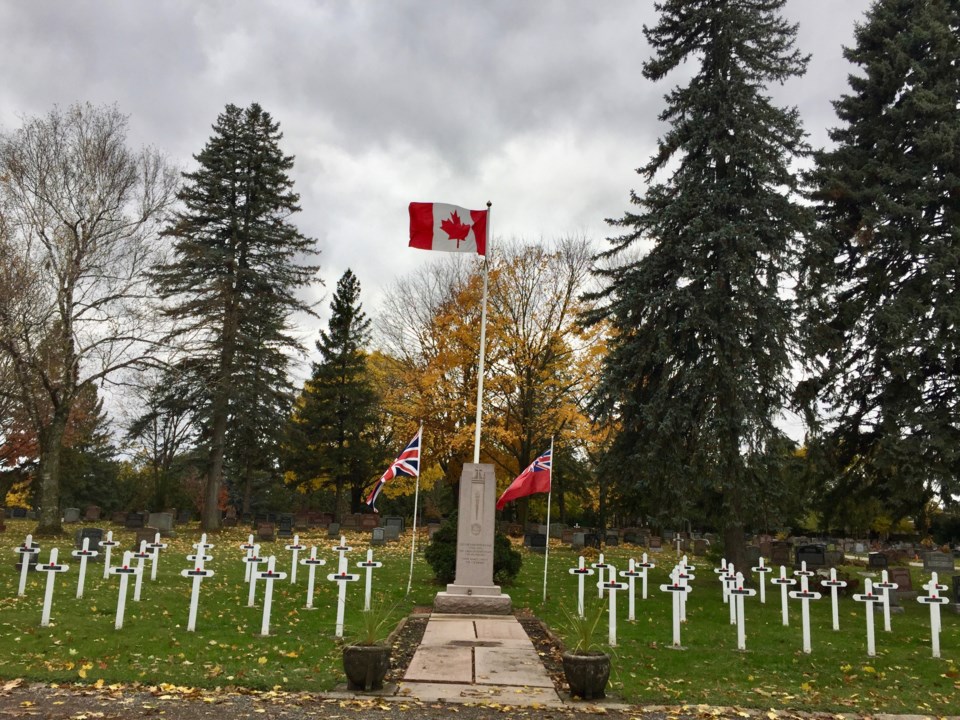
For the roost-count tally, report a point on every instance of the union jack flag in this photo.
(406, 465)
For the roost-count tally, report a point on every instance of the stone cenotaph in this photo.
(473, 591)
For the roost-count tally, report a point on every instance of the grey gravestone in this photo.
(18, 512)
(834, 558)
(163, 522)
(71, 515)
(92, 514)
(333, 530)
(145, 533)
(393, 521)
(938, 562)
(655, 543)
(566, 537)
(901, 576)
(612, 538)
(473, 591)
(391, 533)
(877, 560)
(579, 539)
(377, 537)
(753, 555)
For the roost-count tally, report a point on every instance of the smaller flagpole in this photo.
(416, 498)
(546, 551)
(483, 339)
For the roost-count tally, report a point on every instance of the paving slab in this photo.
(441, 663)
(501, 630)
(441, 631)
(464, 693)
(510, 666)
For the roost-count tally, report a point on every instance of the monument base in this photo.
(461, 603)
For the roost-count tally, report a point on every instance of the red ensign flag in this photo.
(535, 479)
(438, 226)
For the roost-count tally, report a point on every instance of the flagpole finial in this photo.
(489, 204)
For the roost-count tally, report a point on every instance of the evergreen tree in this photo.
(698, 369)
(880, 280)
(332, 427)
(237, 264)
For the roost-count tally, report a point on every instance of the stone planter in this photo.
(366, 666)
(587, 675)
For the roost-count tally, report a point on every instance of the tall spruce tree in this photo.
(880, 279)
(698, 369)
(331, 440)
(238, 261)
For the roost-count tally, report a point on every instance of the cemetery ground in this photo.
(227, 660)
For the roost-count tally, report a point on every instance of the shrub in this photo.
(441, 554)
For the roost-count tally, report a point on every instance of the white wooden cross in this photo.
(203, 545)
(612, 586)
(51, 568)
(581, 571)
(198, 573)
(269, 576)
(124, 571)
(156, 546)
(803, 572)
(686, 576)
(805, 595)
(83, 553)
(721, 573)
(247, 548)
(762, 570)
(934, 599)
(676, 588)
(886, 586)
(869, 598)
(295, 547)
(252, 561)
(631, 574)
(108, 545)
(312, 563)
(644, 565)
(784, 582)
(738, 592)
(729, 581)
(26, 551)
(141, 556)
(343, 549)
(342, 577)
(600, 566)
(834, 586)
(368, 565)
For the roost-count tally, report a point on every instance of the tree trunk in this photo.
(51, 440)
(211, 495)
(735, 548)
(247, 489)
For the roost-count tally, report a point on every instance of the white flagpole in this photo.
(416, 498)
(483, 340)
(546, 550)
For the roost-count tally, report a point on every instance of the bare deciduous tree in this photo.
(80, 214)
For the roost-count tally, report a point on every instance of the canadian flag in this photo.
(439, 226)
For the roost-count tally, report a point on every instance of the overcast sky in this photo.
(537, 106)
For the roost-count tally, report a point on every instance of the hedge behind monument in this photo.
(441, 553)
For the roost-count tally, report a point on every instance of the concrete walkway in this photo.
(478, 658)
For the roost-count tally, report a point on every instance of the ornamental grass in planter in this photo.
(366, 657)
(585, 666)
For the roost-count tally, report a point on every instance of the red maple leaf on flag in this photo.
(455, 229)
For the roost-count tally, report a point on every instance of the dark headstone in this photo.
(92, 513)
(18, 512)
(901, 576)
(285, 526)
(537, 542)
(94, 534)
(834, 558)
(780, 553)
(134, 520)
(145, 533)
(877, 560)
(301, 521)
(655, 542)
(612, 538)
(184, 516)
(333, 530)
(753, 555)
(369, 521)
(815, 556)
(266, 531)
(391, 533)
(591, 540)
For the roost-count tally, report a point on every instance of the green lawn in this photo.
(81, 645)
